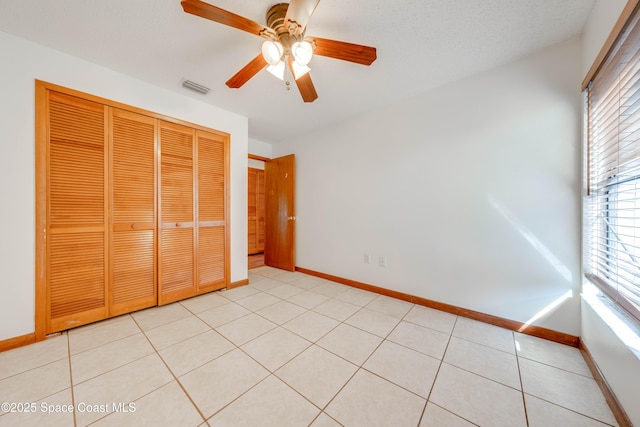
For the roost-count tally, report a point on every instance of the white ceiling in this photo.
(421, 44)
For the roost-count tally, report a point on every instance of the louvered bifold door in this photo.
(133, 219)
(260, 213)
(256, 211)
(252, 223)
(212, 231)
(176, 213)
(76, 236)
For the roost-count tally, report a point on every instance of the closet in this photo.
(256, 211)
(192, 214)
(131, 209)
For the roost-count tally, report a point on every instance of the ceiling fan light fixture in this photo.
(272, 52)
(302, 52)
(285, 45)
(277, 70)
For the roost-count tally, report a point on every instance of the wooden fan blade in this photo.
(221, 16)
(298, 15)
(248, 71)
(357, 53)
(306, 88)
(305, 85)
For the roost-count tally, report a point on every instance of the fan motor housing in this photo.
(275, 20)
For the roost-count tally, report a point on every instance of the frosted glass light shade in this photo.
(302, 52)
(299, 70)
(272, 52)
(277, 70)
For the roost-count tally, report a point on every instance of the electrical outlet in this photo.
(382, 261)
(367, 258)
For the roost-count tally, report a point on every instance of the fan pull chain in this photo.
(287, 73)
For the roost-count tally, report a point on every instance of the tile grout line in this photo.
(116, 367)
(208, 361)
(570, 410)
(360, 309)
(435, 377)
(385, 338)
(172, 374)
(33, 368)
(322, 412)
(518, 357)
(73, 398)
(524, 402)
(272, 373)
(451, 336)
(322, 409)
(237, 347)
(442, 360)
(307, 310)
(237, 397)
(103, 344)
(557, 367)
(359, 367)
(486, 345)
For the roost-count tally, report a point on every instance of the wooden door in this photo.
(131, 211)
(280, 213)
(212, 233)
(133, 219)
(256, 211)
(76, 210)
(176, 214)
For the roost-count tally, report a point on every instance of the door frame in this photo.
(269, 225)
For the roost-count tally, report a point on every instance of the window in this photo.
(612, 222)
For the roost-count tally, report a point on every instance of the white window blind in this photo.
(612, 252)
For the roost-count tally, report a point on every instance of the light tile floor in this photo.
(295, 350)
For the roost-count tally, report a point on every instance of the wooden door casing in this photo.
(280, 213)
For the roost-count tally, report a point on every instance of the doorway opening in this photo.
(271, 212)
(256, 212)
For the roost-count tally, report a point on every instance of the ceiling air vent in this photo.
(195, 87)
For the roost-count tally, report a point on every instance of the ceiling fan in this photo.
(286, 46)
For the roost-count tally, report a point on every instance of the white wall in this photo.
(600, 22)
(470, 191)
(259, 148)
(604, 339)
(256, 164)
(22, 63)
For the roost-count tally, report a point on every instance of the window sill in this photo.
(625, 327)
